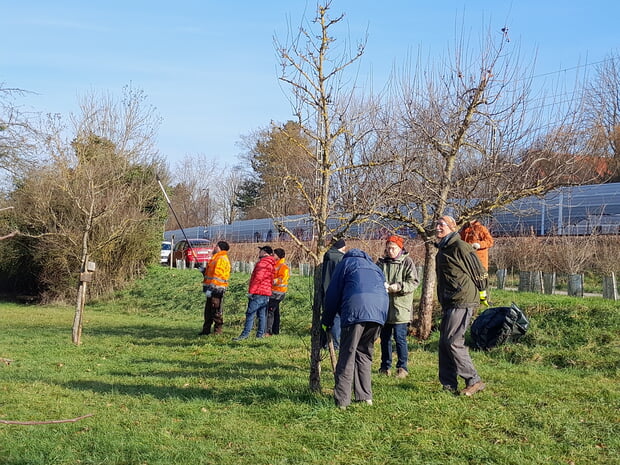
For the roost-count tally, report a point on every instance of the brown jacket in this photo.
(475, 232)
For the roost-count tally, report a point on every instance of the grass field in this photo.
(159, 394)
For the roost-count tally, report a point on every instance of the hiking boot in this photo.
(239, 338)
(402, 373)
(471, 390)
(385, 371)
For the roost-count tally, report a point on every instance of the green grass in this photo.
(161, 395)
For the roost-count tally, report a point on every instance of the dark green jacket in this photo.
(460, 274)
(400, 270)
(331, 258)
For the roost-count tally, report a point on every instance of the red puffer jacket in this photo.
(262, 276)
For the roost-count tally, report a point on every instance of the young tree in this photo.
(470, 137)
(329, 145)
(94, 199)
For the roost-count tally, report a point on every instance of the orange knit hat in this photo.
(399, 241)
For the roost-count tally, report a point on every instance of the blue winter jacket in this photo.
(356, 292)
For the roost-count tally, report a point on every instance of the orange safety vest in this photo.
(217, 271)
(280, 279)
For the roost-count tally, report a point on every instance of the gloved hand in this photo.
(394, 288)
(208, 293)
(325, 328)
(475, 245)
(483, 298)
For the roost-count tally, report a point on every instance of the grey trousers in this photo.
(454, 359)
(354, 367)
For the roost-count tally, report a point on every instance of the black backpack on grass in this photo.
(497, 325)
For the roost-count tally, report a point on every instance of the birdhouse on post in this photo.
(87, 276)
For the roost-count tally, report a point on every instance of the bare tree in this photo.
(17, 135)
(329, 116)
(195, 180)
(602, 113)
(226, 210)
(469, 137)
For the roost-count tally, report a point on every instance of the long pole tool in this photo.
(175, 216)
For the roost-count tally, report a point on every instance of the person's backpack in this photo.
(497, 325)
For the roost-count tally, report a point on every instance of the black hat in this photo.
(339, 244)
(267, 249)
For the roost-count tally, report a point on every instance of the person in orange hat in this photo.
(401, 279)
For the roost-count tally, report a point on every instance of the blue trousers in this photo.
(399, 331)
(257, 305)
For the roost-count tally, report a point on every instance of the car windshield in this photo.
(199, 243)
(165, 246)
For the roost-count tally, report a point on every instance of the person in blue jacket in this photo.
(357, 293)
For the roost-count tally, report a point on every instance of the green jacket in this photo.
(402, 271)
(460, 274)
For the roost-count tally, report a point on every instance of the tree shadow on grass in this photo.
(268, 392)
(146, 334)
(236, 372)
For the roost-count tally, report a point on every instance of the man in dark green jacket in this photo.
(461, 285)
(331, 258)
(401, 279)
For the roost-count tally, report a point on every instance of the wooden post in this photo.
(86, 276)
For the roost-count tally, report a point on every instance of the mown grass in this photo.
(159, 394)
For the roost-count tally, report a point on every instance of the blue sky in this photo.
(210, 67)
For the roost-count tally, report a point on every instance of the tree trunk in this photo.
(78, 319)
(315, 333)
(79, 314)
(422, 325)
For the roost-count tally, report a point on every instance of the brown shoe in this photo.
(471, 390)
(385, 372)
(402, 373)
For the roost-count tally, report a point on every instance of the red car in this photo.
(196, 252)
